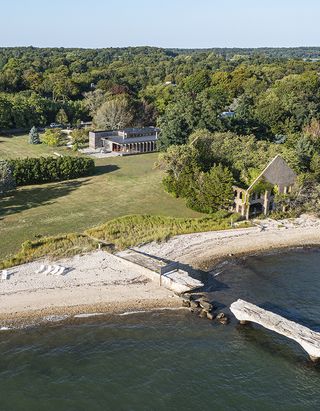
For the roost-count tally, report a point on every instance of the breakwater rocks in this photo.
(203, 308)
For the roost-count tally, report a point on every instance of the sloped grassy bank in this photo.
(123, 232)
(132, 230)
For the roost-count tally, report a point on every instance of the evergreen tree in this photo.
(34, 136)
(7, 181)
(62, 117)
(212, 190)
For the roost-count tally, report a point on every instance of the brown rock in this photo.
(210, 316)
(224, 320)
(203, 314)
(206, 305)
(194, 304)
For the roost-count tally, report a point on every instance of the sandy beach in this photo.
(203, 250)
(97, 282)
(100, 282)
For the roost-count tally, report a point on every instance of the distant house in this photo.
(228, 114)
(126, 141)
(169, 83)
(259, 197)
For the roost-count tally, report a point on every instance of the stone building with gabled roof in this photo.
(259, 197)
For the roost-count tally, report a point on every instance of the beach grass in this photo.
(121, 186)
(121, 232)
(133, 230)
(50, 247)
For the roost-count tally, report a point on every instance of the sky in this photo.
(162, 23)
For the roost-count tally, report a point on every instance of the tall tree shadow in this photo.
(25, 199)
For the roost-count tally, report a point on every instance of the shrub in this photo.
(53, 138)
(80, 137)
(49, 169)
(7, 181)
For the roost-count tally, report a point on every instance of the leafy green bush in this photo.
(7, 182)
(80, 137)
(48, 169)
(53, 138)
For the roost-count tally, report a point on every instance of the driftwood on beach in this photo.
(309, 340)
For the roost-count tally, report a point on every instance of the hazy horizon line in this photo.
(161, 47)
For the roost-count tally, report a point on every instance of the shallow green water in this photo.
(174, 360)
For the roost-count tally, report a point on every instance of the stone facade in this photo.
(252, 201)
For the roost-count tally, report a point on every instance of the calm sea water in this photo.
(174, 360)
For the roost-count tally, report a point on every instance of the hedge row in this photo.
(48, 169)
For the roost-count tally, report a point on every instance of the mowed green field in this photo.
(18, 146)
(122, 186)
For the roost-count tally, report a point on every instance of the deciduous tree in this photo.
(113, 114)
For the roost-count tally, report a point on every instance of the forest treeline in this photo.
(274, 93)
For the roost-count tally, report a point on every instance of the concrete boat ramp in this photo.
(169, 274)
(309, 340)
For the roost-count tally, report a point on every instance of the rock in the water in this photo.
(203, 314)
(196, 310)
(194, 304)
(206, 305)
(185, 303)
(210, 316)
(186, 296)
(222, 318)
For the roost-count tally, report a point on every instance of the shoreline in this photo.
(93, 282)
(71, 314)
(103, 283)
(214, 263)
(205, 250)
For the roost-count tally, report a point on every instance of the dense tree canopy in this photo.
(273, 92)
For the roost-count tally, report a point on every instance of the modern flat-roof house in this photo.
(259, 197)
(126, 141)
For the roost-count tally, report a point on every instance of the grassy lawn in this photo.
(18, 146)
(122, 186)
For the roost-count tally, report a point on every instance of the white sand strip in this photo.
(94, 278)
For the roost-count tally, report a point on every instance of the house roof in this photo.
(122, 140)
(277, 172)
